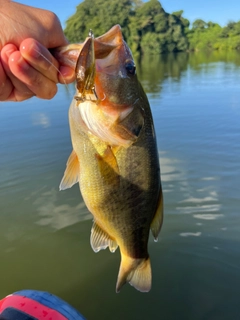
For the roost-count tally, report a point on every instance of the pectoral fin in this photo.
(158, 218)
(100, 240)
(71, 174)
(108, 166)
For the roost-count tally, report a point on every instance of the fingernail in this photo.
(66, 72)
(21, 62)
(35, 51)
(31, 50)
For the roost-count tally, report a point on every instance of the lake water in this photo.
(44, 233)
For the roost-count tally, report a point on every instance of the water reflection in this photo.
(58, 216)
(154, 70)
(208, 216)
(190, 234)
(176, 184)
(170, 170)
(41, 119)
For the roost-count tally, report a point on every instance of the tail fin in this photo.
(135, 271)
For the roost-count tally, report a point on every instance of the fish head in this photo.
(107, 63)
(108, 91)
(116, 82)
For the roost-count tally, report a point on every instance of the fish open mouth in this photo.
(86, 65)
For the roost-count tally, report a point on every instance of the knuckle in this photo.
(37, 80)
(52, 70)
(20, 98)
(51, 93)
(5, 90)
(53, 20)
(53, 26)
(48, 92)
(42, 87)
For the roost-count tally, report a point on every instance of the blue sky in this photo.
(220, 11)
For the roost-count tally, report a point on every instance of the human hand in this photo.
(27, 67)
(30, 70)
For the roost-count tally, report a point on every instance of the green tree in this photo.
(147, 28)
(100, 16)
(157, 31)
(199, 24)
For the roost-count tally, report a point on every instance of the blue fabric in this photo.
(51, 301)
(14, 314)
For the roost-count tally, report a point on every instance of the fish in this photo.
(115, 157)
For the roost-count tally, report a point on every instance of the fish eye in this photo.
(130, 67)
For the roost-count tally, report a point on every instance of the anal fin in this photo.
(71, 174)
(100, 240)
(158, 218)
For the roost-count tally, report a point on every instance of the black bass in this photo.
(115, 157)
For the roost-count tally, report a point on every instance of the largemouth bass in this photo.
(115, 157)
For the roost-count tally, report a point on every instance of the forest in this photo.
(148, 28)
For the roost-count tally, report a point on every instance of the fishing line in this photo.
(54, 67)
